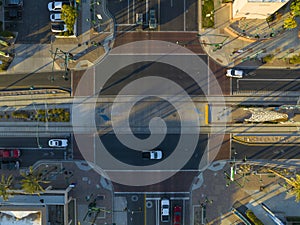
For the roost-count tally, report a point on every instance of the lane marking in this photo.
(184, 15)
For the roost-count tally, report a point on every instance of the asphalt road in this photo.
(39, 80)
(268, 80)
(265, 152)
(136, 71)
(133, 157)
(30, 153)
(171, 15)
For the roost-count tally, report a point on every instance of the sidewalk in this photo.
(89, 185)
(211, 190)
(244, 42)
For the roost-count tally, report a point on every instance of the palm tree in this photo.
(5, 184)
(31, 182)
(293, 182)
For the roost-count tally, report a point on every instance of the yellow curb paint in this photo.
(206, 114)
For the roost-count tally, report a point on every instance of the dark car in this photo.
(9, 165)
(14, 3)
(58, 27)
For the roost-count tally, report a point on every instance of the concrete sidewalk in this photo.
(211, 190)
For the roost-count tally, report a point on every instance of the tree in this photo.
(31, 182)
(295, 8)
(290, 23)
(5, 185)
(69, 15)
(294, 183)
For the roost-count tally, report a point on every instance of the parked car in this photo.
(9, 153)
(56, 6)
(235, 73)
(177, 215)
(139, 18)
(154, 154)
(55, 17)
(58, 27)
(14, 3)
(165, 210)
(152, 19)
(9, 165)
(59, 143)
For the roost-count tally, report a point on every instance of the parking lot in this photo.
(34, 25)
(171, 15)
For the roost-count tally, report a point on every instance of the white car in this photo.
(60, 143)
(154, 154)
(165, 210)
(55, 17)
(56, 6)
(235, 73)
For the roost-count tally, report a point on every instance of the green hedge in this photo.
(251, 216)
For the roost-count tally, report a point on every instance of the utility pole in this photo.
(66, 56)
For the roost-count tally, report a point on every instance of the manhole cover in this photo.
(149, 204)
(134, 198)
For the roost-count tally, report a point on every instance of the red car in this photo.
(14, 153)
(177, 215)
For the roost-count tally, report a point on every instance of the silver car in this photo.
(55, 17)
(59, 143)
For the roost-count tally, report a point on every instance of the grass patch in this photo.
(207, 8)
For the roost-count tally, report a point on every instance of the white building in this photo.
(255, 9)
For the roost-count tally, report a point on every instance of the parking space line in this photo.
(158, 15)
(179, 198)
(125, 24)
(183, 210)
(152, 198)
(145, 212)
(147, 9)
(128, 9)
(157, 212)
(133, 11)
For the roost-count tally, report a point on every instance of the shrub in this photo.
(251, 216)
(268, 59)
(6, 33)
(20, 115)
(295, 59)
